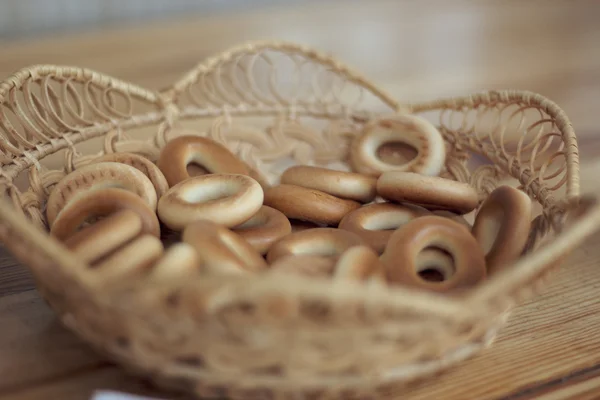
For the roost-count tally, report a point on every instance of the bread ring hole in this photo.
(432, 275)
(396, 153)
(90, 220)
(386, 221)
(316, 248)
(210, 191)
(435, 264)
(194, 169)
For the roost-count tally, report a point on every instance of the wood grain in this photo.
(14, 278)
(82, 385)
(579, 385)
(417, 50)
(586, 390)
(34, 345)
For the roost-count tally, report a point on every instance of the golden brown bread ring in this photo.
(401, 254)
(227, 200)
(99, 175)
(305, 265)
(359, 263)
(143, 165)
(105, 236)
(221, 250)
(410, 129)
(101, 203)
(428, 191)
(346, 185)
(502, 226)
(328, 242)
(133, 261)
(179, 261)
(266, 227)
(304, 204)
(375, 223)
(184, 150)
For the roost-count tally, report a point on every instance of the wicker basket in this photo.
(274, 336)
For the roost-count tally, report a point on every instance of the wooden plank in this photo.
(585, 390)
(418, 50)
(14, 278)
(34, 346)
(580, 385)
(82, 386)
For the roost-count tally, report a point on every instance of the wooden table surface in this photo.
(418, 50)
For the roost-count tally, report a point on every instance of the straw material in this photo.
(276, 104)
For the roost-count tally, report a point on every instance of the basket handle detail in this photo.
(247, 77)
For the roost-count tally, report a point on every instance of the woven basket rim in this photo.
(167, 98)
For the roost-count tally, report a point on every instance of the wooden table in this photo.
(418, 50)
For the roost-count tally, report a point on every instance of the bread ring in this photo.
(359, 263)
(428, 191)
(400, 257)
(132, 261)
(305, 265)
(266, 227)
(328, 242)
(410, 129)
(143, 165)
(105, 236)
(346, 185)
(311, 205)
(396, 153)
(220, 250)
(207, 153)
(180, 260)
(227, 200)
(376, 222)
(502, 226)
(99, 175)
(101, 203)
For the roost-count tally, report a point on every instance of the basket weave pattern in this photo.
(276, 103)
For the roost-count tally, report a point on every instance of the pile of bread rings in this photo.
(383, 223)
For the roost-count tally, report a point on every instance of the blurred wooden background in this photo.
(32, 18)
(417, 49)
